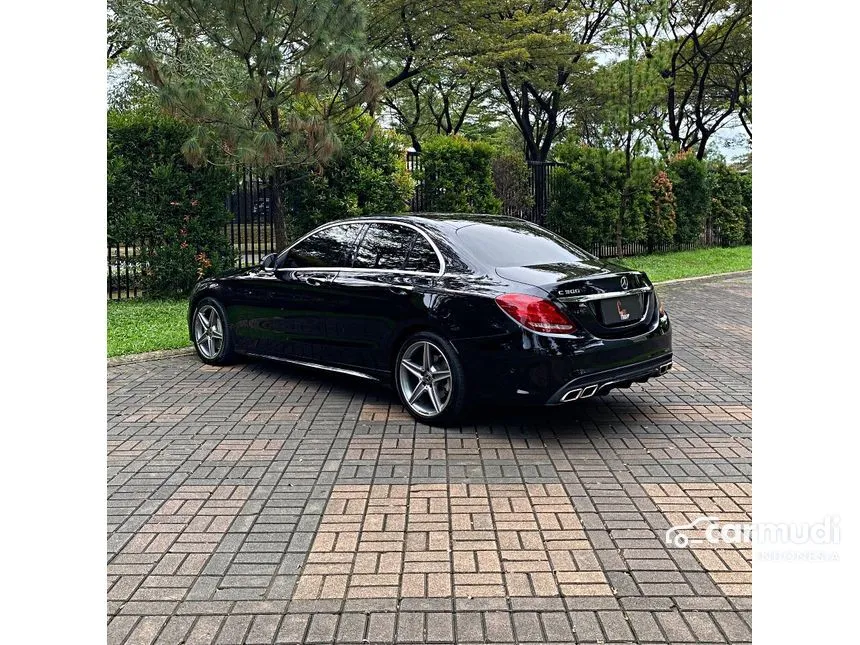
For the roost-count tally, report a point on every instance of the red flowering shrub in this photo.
(660, 224)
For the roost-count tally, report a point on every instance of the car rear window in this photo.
(516, 245)
(421, 256)
(384, 247)
(391, 246)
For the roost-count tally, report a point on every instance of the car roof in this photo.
(450, 221)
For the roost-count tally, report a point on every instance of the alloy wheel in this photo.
(208, 331)
(425, 378)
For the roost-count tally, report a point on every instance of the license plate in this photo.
(621, 311)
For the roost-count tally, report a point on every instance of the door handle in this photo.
(400, 291)
(312, 281)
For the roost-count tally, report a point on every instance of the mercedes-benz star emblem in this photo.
(624, 282)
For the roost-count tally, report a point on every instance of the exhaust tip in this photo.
(571, 395)
(589, 391)
(665, 368)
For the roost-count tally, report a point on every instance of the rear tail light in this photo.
(537, 314)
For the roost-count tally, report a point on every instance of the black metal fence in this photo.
(642, 248)
(413, 165)
(541, 176)
(125, 270)
(251, 233)
(252, 230)
(541, 180)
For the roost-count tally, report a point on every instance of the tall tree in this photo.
(641, 21)
(543, 48)
(689, 65)
(129, 22)
(411, 38)
(707, 70)
(422, 51)
(132, 24)
(444, 101)
(263, 80)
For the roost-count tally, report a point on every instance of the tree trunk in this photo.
(700, 151)
(279, 210)
(628, 143)
(625, 190)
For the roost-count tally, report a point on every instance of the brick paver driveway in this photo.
(260, 504)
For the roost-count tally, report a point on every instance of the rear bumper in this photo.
(536, 369)
(602, 382)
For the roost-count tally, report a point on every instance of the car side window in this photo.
(384, 247)
(328, 248)
(421, 256)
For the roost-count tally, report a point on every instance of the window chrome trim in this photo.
(366, 221)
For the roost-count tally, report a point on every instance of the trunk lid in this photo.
(606, 299)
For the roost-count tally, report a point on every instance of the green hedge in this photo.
(689, 178)
(511, 184)
(368, 175)
(457, 175)
(175, 215)
(746, 190)
(667, 203)
(728, 211)
(587, 194)
(172, 213)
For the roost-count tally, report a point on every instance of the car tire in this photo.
(211, 334)
(429, 379)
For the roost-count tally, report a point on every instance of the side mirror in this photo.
(268, 262)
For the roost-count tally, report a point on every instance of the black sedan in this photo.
(449, 309)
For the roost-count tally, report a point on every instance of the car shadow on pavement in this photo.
(482, 416)
(558, 417)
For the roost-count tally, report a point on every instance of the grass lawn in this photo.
(136, 326)
(689, 264)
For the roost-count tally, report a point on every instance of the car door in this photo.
(302, 301)
(385, 287)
